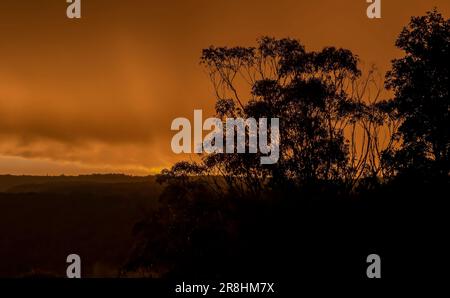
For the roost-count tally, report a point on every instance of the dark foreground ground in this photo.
(290, 241)
(44, 219)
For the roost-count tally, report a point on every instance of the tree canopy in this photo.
(420, 81)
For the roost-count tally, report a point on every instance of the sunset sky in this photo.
(99, 94)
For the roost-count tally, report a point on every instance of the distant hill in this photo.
(11, 183)
(43, 219)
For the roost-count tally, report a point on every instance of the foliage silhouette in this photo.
(317, 96)
(215, 213)
(421, 83)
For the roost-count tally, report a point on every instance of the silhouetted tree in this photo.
(336, 134)
(329, 118)
(303, 89)
(421, 83)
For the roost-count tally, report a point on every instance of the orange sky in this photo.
(99, 94)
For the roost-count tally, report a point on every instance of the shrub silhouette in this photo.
(421, 83)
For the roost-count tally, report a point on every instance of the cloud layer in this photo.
(99, 94)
